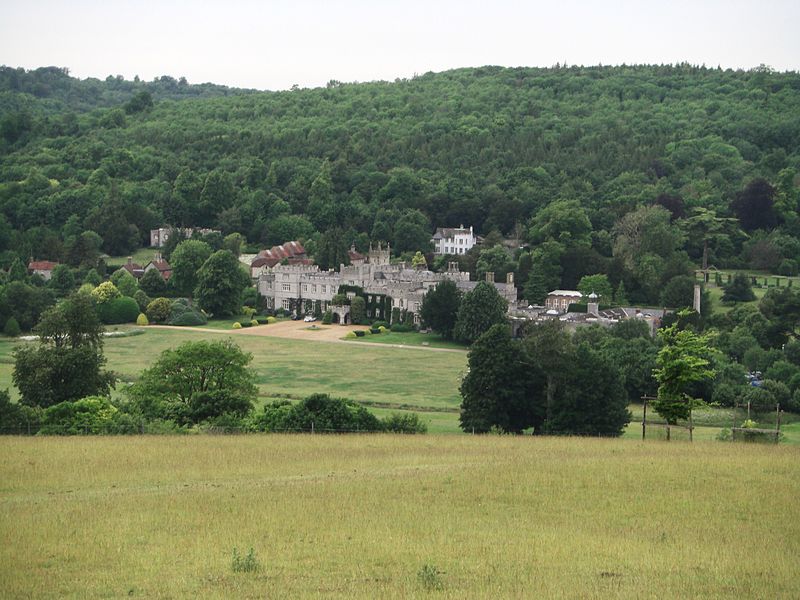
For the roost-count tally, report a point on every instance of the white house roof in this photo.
(566, 293)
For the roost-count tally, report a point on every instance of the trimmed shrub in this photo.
(159, 310)
(119, 310)
(105, 292)
(254, 322)
(379, 324)
(142, 300)
(11, 328)
(327, 318)
(189, 318)
(141, 320)
(360, 332)
(382, 329)
(271, 320)
(262, 321)
(375, 330)
(402, 328)
(350, 335)
(237, 325)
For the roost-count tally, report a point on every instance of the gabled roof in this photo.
(133, 269)
(42, 265)
(449, 232)
(161, 265)
(288, 250)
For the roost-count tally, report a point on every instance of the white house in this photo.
(451, 240)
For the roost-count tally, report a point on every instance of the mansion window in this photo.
(305, 287)
(286, 304)
(286, 287)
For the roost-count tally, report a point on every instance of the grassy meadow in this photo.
(362, 516)
(380, 377)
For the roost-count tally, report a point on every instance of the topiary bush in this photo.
(360, 332)
(350, 335)
(402, 328)
(237, 325)
(190, 318)
(327, 318)
(271, 320)
(119, 310)
(375, 330)
(142, 300)
(262, 321)
(159, 310)
(141, 320)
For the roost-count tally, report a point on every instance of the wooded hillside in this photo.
(490, 147)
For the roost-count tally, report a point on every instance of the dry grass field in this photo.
(362, 516)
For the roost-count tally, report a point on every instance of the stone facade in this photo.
(559, 300)
(284, 286)
(159, 237)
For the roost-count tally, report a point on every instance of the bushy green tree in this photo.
(440, 306)
(67, 364)
(125, 282)
(358, 310)
(90, 415)
(196, 381)
(152, 283)
(220, 282)
(186, 261)
(682, 361)
(496, 391)
(593, 401)
(479, 310)
(62, 280)
(597, 284)
(739, 289)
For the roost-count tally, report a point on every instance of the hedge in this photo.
(119, 310)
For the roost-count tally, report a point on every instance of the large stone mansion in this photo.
(386, 286)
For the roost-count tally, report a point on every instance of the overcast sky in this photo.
(275, 44)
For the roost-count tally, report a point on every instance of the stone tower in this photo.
(379, 255)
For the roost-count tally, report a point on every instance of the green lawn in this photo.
(388, 376)
(411, 338)
(142, 256)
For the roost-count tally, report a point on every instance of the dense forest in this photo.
(634, 171)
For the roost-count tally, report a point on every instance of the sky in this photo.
(273, 45)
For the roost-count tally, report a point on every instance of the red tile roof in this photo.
(42, 265)
(289, 250)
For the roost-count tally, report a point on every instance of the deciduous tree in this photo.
(440, 306)
(479, 310)
(220, 282)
